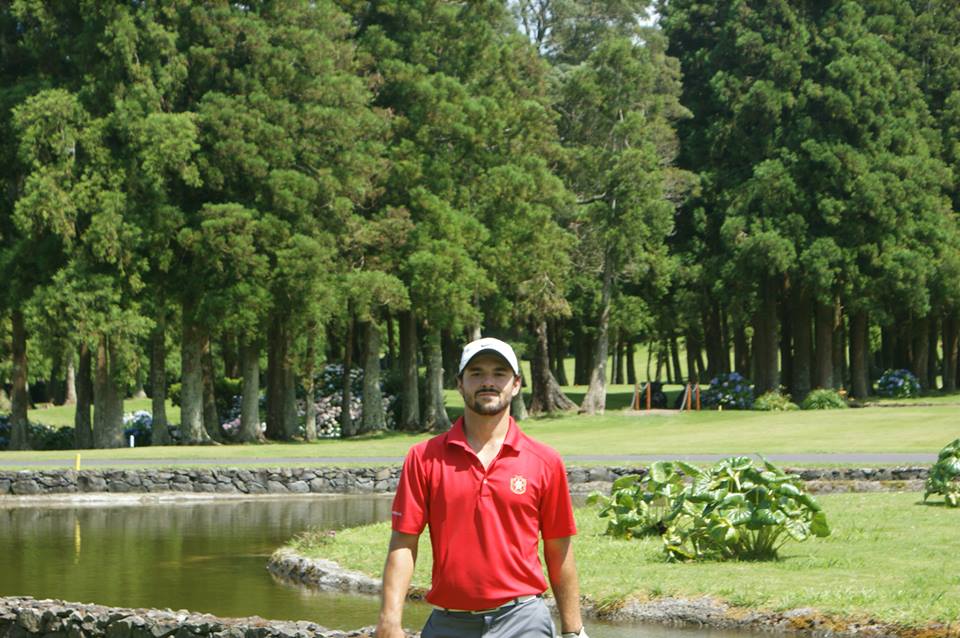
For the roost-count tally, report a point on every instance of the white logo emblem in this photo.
(518, 484)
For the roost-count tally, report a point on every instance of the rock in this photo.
(29, 619)
(25, 487)
(276, 487)
(299, 487)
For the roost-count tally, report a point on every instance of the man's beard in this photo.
(488, 408)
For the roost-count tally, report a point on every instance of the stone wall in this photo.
(342, 480)
(24, 617)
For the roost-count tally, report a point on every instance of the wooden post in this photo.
(648, 395)
(698, 397)
(635, 401)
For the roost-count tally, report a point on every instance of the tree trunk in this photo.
(802, 345)
(675, 357)
(616, 376)
(631, 362)
(823, 350)
(281, 400)
(764, 347)
(933, 365)
(391, 343)
(373, 417)
(346, 418)
(250, 399)
(558, 352)
(839, 352)
(786, 336)
(310, 400)
(211, 419)
(70, 381)
(231, 356)
(191, 383)
(107, 398)
(693, 349)
(921, 351)
(409, 392)
(19, 399)
(903, 356)
(888, 347)
(718, 357)
(859, 346)
(951, 345)
(158, 381)
(581, 352)
(518, 409)
(473, 332)
(434, 411)
(546, 395)
(82, 422)
(451, 359)
(741, 349)
(594, 402)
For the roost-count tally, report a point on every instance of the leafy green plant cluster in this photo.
(731, 511)
(638, 504)
(774, 402)
(824, 399)
(944, 476)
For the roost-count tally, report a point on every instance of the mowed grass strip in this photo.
(890, 558)
(907, 429)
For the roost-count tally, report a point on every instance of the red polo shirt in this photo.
(484, 524)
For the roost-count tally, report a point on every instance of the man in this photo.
(488, 493)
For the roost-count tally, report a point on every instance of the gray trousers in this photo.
(529, 619)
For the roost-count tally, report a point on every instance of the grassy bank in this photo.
(889, 558)
(905, 429)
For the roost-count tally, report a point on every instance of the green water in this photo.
(203, 556)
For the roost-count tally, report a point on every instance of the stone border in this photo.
(289, 567)
(25, 617)
(363, 480)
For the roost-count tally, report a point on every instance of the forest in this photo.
(231, 203)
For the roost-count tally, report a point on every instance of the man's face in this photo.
(488, 384)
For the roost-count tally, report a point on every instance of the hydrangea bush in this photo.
(328, 400)
(898, 384)
(730, 390)
(139, 425)
(41, 437)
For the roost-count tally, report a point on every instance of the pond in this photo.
(205, 556)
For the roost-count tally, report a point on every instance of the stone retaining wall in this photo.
(331, 480)
(24, 617)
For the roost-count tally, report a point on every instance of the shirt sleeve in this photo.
(409, 511)
(556, 508)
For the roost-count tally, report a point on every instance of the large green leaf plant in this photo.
(944, 476)
(732, 510)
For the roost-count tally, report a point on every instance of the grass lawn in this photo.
(889, 557)
(923, 429)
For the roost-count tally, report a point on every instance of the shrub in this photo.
(328, 399)
(737, 511)
(823, 399)
(774, 402)
(944, 476)
(637, 505)
(40, 436)
(139, 425)
(730, 390)
(898, 384)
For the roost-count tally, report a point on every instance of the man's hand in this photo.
(390, 631)
(397, 572)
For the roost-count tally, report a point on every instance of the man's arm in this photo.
(397, 572)
(562, 569)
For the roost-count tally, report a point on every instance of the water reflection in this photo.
(204, 556)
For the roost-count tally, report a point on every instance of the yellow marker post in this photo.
(77, 464)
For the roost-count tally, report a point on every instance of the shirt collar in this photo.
(458, 436)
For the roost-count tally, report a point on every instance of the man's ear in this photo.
(517, 385)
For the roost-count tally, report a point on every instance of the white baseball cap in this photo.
(489, 344)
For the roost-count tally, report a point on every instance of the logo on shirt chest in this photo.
(518, 484)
